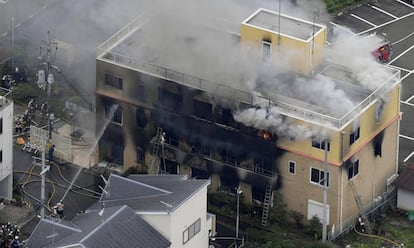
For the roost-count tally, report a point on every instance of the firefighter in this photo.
(15, 242)
(50, 153)
(59, 209)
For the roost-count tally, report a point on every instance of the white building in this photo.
(6, 147)
(174, 206)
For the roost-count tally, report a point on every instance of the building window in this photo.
(1, 125)
(113, 112)
(169, 100)
(353, 169)
(141, 92)
(266, 50)
(292, 167)
(203, 110)
(191, 231)
(321, 145)
(1, 156)
(354, 136)
(141, 118)
(114, 81)
(318, 176)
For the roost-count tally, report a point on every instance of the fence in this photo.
(63, 145)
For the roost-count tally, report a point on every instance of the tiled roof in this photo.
(149, 193)
(112, 227)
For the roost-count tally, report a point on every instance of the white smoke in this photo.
(355, 52)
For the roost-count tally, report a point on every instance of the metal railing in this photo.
(105, 53)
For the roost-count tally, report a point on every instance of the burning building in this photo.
(262, 106)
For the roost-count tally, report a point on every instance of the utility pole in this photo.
(238, 192)
(325, 193)
(12, 31)
(43, 171)
(50, 80)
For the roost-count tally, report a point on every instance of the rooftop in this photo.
(405, 179)
(289, 26)
(149, 193)
(109, 227)
(206, 56)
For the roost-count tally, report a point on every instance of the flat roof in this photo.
(207, 57)
(286, 25)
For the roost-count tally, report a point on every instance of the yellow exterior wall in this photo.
(294, 52)
(340, 149)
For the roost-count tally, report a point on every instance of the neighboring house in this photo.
(6, 146)
(111, 227)
(405, 189)
(209, 99)
(172, 204)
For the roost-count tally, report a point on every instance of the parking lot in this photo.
(394, 19)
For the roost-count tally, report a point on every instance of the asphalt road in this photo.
(78, 199)
(394, 18)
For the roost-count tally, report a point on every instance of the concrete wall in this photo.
(405, 199)
(294, 52)
(172, 225)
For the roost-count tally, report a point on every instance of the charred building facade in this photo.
(250, 106)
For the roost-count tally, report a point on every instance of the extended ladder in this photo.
(360, 207)
(155, 166)
(266, 204)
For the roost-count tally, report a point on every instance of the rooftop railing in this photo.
(105, 53)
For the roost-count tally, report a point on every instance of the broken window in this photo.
(113, 112)
(353, 169)
(171, 137)
(199, 148)
(140, 154)
(354, 136)
(169, 100)
(266, 50)
(114, 81)
(171, 167)
(141, 118)
(262, 165)
(321, 145)
(141, 92)
(203, 110)
(318, 176)
(377, 143)
(227, 119)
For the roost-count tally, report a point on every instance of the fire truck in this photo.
(383, 52)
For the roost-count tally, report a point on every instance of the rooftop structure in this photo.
(143, 45)
(289, 26)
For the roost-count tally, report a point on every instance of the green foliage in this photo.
(279, 212)
(297, 218)
(315, 227)
(24, 92)
(338, 5)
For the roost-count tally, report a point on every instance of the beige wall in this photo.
(370, 181)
